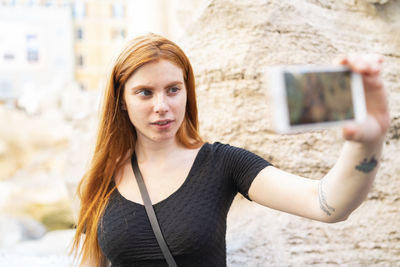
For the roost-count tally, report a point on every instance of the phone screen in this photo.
(314, 97)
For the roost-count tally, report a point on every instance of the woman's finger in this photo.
(364, 132)
(368, 64)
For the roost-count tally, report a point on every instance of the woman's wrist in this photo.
(365, 156)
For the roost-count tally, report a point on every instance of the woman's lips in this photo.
(162, 124)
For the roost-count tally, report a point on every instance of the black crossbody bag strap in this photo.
(151, 214)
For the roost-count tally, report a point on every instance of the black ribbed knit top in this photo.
(192, 219)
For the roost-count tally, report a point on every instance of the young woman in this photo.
(150, 111)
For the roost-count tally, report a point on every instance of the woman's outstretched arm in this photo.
(346, 185)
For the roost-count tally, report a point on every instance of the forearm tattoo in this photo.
(322, 201)
(367, 166)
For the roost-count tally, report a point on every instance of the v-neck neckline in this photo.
(189, 176)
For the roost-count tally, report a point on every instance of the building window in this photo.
(79, 33)
(80, 60)
(47, 3)
(82, 86)
(6, 91)
(8, 56)
(79, 10)
(32, 48)
(118, 34)
(32, 3)
(32, 56)
(118, 10)
(64, 3)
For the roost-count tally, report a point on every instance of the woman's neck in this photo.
(157, 151)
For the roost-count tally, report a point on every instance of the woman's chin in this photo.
(162, 138)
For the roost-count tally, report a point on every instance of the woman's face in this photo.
(155, 99)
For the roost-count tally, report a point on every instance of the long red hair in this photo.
(117, 136)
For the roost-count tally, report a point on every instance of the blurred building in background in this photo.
(48, 42)
(35, 48)
(100, 29)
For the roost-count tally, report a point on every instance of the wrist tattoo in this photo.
(367, 166)
(322, 201)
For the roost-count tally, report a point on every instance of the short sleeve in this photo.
(242, 166)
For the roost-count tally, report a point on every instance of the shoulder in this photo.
(221, 148)
(215, 150)
(218, 147)
(229, 153)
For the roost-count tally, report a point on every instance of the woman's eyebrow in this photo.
(173, 83)
(141, 86)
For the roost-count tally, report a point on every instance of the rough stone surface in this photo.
(228, 46)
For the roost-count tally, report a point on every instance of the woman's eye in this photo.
(144, 92)
(173, 90)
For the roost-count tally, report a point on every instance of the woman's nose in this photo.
(160, 105)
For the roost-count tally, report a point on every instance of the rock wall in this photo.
(228, 46)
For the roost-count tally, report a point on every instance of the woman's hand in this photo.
(377, 121)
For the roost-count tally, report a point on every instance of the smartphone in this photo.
(312, 97)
